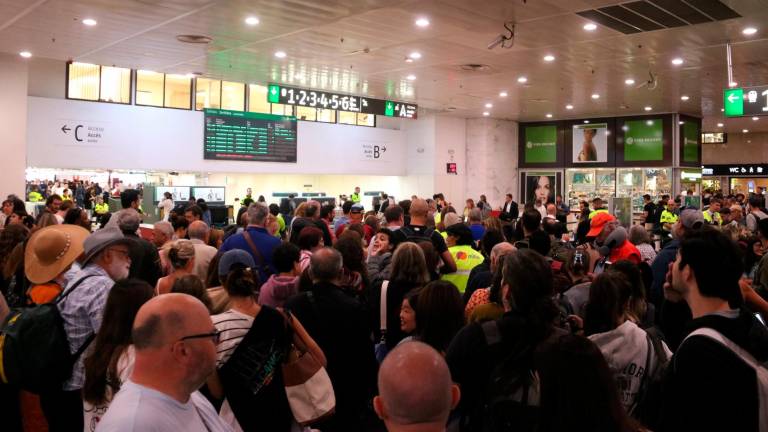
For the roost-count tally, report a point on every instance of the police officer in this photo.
(712, 215)
(355, 197)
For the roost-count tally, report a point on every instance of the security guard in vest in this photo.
(668, 219)
(712, 215)
(597, 205)
(460, 246)
(355, 197)
(34, 195)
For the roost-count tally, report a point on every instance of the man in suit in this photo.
(509, 211)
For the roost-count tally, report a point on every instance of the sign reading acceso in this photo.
(747, 101)
(246, 136)
(325, 100)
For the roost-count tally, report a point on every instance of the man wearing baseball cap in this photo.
(106, 260)
(597, 223)
(228, 261)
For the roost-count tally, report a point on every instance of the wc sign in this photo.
(374, 151)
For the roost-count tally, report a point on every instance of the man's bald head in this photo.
(198, 230)
(415, 387)
(499, 251)
(165, 319)
(419, 208)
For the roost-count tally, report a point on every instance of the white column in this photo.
(13, 124)
(491, 148)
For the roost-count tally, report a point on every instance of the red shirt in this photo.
(626, 251)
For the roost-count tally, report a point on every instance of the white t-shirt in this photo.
(136, 408)
(93, 414)
(167, 205)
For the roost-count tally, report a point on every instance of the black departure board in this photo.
(326, 100)
(247, 136)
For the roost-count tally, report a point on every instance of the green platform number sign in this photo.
(644, 140)
(389, 109)
(733, 102)
(273, 94)
(541, 144)
(690, 142)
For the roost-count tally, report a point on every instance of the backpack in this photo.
(647, 408)
(35, 349)
(412, 235)
(512, 394)
(761, 369)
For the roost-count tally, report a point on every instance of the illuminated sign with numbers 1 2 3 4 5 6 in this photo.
(320, 99)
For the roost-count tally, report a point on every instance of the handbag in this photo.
(307, 385)
(381, 349)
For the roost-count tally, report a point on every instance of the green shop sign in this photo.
(690, 142)
(541, 144)
(644, 140)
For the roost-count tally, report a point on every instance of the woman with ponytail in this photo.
(181, 256)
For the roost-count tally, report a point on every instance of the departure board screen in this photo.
(246, 136)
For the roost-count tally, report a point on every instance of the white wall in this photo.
(491, 159)
(13, 124)
(165, 139)
(450, 146)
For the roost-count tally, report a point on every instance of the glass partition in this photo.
(636, 182)
(586, 184)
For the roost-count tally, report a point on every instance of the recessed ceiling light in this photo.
(749, 31)
(755, 118)
(503, 94)
(745, 130)
(411, 77)
(549, 58)
(648, 108)
(422, 22)
(489, 105)
(629, 81)
(25, 54)
(409, 60)
(415, 55)
(590, 27)
(733, 84)
(252, 20)
(677, 61)
(549, 115)
(522, 80)
(595, 96)
(586, 121)
(486, 113)
(684, 98)
(90, 22)
(281, 54)
(719, 125)
(569, 107)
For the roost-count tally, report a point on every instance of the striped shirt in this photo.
(82, 312)
(232, 326)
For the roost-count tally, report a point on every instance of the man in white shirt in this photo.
(198, 233)
(175, 343)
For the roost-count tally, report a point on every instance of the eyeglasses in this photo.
(214, 335)
(123, 252)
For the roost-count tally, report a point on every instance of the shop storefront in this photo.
(614, 157)
(736, 178)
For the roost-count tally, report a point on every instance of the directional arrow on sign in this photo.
(273, 91)
(65, 129)
(732, 97)
(383, 149)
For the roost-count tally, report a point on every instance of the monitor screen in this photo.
(179, 193)
(211, 194)
(247, 136)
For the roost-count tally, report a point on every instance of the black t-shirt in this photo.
(650, 210)
(414, 232)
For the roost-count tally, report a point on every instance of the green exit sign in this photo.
(733, 102)
(273, 93)
(389, 109)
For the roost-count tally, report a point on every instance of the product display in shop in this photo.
(246, 136)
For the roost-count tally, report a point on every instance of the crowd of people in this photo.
(411, 316)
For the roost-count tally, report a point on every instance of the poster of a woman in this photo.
(590, 143)
(540, 190)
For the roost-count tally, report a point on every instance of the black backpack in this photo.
(512, 393)
(411, 235)
(35, 349)
(647, 409)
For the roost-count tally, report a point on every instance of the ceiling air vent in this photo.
(650, 15)
(194, 39)
(474, 67)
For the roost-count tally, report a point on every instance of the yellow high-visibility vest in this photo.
(594, 212)
(466, 259)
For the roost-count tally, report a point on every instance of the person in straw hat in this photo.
(105, 259)
(49, 255)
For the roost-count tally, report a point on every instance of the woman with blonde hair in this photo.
(181, 255)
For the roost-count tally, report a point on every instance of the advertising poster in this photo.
(590, 143)
(540, 188)
(178, 193)
(209, 194)
(541, 144)
(690, 142)
(644, 140)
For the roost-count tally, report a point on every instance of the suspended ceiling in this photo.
(360, 47)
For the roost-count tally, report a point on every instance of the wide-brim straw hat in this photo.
(52, 250)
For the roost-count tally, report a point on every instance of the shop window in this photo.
(233, 96)
(178, 91)
(281, 109)
(207, 94)
(98, 83)
(346, 117)
(326, 115)
(115, 85)
(149, 88)
(257, 99)
(304, 113)
(366, 120)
